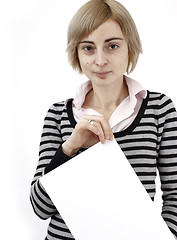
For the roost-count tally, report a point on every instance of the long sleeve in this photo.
(50, 157)
(167, 162)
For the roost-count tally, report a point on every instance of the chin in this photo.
(101, 81)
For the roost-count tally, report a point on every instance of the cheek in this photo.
(121, 63)
(83, 60)
(84, 66)
(124, 60)
(85, 63)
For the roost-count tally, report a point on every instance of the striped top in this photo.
(149, 143)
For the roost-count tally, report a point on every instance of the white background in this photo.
(34, 73)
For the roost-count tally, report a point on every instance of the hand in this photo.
(87, 133)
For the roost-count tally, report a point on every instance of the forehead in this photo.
(108, 29)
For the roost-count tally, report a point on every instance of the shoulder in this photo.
(159, 98)
(60, 107)
(57, 110)
(57, 107)
(161, 103)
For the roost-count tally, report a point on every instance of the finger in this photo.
(95, 127)
(106, 128)
(104, 125)
(108, 134)
(98, 129)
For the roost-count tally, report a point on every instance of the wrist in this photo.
(68, 150)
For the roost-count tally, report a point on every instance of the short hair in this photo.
(90, 16)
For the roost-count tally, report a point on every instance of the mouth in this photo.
(102, 74)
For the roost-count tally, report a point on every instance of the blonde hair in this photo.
(90, 16)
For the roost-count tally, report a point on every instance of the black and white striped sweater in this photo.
(149, 143)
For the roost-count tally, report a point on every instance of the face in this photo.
(103, 55)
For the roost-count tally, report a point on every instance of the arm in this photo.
(50, 156)
(167, 162)
(53, 152)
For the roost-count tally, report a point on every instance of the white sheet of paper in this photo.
(99, 196)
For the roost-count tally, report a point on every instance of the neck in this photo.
(106, 99)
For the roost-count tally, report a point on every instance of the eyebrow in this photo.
(111, 39)
(107, 40)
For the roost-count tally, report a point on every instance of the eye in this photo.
(88, 48)
(113, 46)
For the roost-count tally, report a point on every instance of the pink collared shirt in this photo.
(123, 115)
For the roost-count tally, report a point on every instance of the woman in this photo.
(104, 45)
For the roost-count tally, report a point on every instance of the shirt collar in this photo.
(134, 88)
(80, 94)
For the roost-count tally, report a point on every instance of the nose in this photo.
(100, 58)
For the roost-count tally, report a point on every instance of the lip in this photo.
(102, 74)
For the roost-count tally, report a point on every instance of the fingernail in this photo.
(107, 137)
